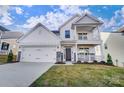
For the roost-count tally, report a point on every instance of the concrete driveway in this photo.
(21, 74)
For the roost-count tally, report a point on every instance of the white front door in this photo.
(86, 54)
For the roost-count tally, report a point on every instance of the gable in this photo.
(40, 36)
(86, 19)
(69, 22)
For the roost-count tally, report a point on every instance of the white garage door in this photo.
(39, 54)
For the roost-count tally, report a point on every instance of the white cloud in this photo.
(114, 22)
(6, 20)
(70, 10)
(5, 16)
(54, 19)
(51, 20)
(108, 24)
(19, 10)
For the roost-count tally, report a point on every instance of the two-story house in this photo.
(77, 39)
(81, 39)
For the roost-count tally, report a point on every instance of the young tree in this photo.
(10, 57)
(109, 59)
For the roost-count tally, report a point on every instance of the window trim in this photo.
(67, 33)
(82, 36)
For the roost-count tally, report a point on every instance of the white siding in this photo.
(40, 36)
(115, 46)
(86, 19)
(68, 27)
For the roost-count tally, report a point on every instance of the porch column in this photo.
(89, 56)
(102, 54)
(76, 49)
(75, 30)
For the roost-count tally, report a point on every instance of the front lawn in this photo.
(81, 75)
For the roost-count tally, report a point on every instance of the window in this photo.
(5, 46)
(67, 33)
(105, 46)
(84, 50)
(80, 36)
(84, 36)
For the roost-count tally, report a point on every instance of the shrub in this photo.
(78, 62)
(60, 62)
(95, 61)
(102, 62)
(109, 60)
(10, 57)
(85, 62)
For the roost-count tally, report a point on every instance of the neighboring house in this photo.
(113, 43)
(9, 42)
(77, 39)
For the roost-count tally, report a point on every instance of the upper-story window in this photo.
(82, 36)
(85, 36)
(67, 33)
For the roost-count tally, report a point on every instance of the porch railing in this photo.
(86, 56)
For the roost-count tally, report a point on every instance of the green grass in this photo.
(81, 75)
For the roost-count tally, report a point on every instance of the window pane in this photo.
(80, 36)
(67, 33)
(85, 36)
(5, 46)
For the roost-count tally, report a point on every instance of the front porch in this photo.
(88, 53)
(80, 52)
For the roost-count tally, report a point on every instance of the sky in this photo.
(23, 18)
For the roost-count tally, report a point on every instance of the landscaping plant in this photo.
(10, 57)
(109, 60)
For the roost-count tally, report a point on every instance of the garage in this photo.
(39, 45)
(39, 54)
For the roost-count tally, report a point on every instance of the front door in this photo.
(86, 54)
(68, 54)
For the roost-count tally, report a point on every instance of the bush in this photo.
(109, 60)
(78, 62)
(95, 61)
(85, 62)
(10, 57)
(60, 62)
(102, 62)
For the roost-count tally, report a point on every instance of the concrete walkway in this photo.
(21, 74)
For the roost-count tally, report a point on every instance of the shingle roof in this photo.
(11, 35)
(3, 28)
(121, 29)
(56, 32)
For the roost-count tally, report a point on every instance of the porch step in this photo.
(69, 63)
